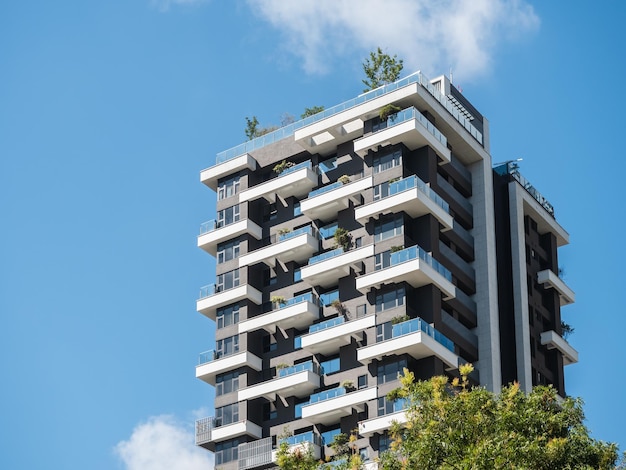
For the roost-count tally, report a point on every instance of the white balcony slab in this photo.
(297, 183)
(325, 273)
(303, 448)
(416, 272)
(329, 340)
(211, 175)
(298, 249)
(300, 384)
(380, 424)
(298, 315)
(209, 241)
(552, 340)
(413, 201)
(242, 428)
(207, 371)
(325, 206)
(418, 345)
(329, 411)
(208, 305)
(411, 133)
(550, 279)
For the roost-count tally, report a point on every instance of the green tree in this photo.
(380, 69)
(457, 426)
(252, 127)
(311, 111)
(297, 457)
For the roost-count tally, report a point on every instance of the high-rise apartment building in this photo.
(368, 238)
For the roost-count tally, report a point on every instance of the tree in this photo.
(457, 426)
(311, 111)
(300, 457)
(253, 129)
(381, 69)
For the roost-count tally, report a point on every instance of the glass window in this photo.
(389, 227)
(382, 260)
(296, 209)
(227, 316)
(227, 251)
(390, 299)
(227, 346)
(328, 231)
(228, 216)
(228, 187)
(381, 191)
(226, 383)
(227, 415)
(297, 275)
(227, 280)
(386, 407)
(329, 436)
(226, 451)
(329, 297)
(328, 165)
(385, 162)
(362, 381)
(390, 371)
(384, 442)
(330, 366)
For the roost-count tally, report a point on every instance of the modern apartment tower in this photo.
(367, 238)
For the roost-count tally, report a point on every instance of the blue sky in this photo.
(109, 110)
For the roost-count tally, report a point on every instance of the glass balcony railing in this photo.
(326, 395)
(326, 324)
(310, 366)
(415, 252)
(512, 169)
(325, 256)
(290, 129)
(310, 436)
(297, 167)
(415, 325)
(412, 113)
(212, 289)
(411, 182)
(207, 356)
(287, 236)
(325, 189)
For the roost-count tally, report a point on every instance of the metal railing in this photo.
(255, 454)
(290, 129)
(204, 427)
(415, 325)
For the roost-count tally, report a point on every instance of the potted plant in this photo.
(337, 305)
(348, 385)
(342, 238)
(344, 179)
(387, 111)
(397, 248)
(400, 319)
(284, 231)
(282, 365)
(566, 329)
(282, 166)
(278, 301)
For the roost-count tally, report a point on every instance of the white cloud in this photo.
(164, 5)
(429, 35)
(163, 444)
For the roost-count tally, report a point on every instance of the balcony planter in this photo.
(344, 179)
(278, 301)
(348, 385)
(282, 166)
(342, 238)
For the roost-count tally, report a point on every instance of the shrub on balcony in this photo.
(400, 319)
(397, 248)
(284, 231)
(342, 238)
(337, 305)
(278, 300)
(348, 384)
(344, 179)
(282, 166)
(388, 110)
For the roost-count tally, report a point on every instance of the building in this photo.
(367, 238)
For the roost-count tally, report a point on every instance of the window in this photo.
(227, 280)
(227, 346)
(382, 260)
(227, 251)
(391, 299)
(329, 436)
(297, 275)
(364, 454)
(383, 443)
(227, 316)
(329, 297)
(358, 242)
(362, 382)
(387, 228)
(381, 190)
(389, 372)
(228, 414)
(226, 452)
(331, 366)
(226, 383)
(385, 162)
(296, 209)
(270, 212)
(269, 344)
(328, 165)
(328, 231)
(228, 187)
(386, 407)
(228, 216)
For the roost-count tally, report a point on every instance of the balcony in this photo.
(297, 312)
(296, 181)
(255, 454)
(225, 168)
(328, 406)
(296, 246)
(324, 203)
(552, 340)
(414, 337)
(327, 337)
(208, 430)
(212, 233)
(212, 298)
(324, 269)
(299, 380)
(409, 127)
(412, 196)
(210, 364)
(414, 266)
(302, 442)
(549, 279)
(380, 424)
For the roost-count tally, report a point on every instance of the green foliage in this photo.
(566, 329)
(299, 457)
(400, 319)
(252, 127)
(337, 305)
(342, 238)
(278, 300)
(344, 179)
(456, 426)
(387, 111)
(282, 166)
(311, 111)
(380, 69)
(396, 248)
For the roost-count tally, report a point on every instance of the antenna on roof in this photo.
(451, 81)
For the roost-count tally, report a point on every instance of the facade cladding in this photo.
(351, 245)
